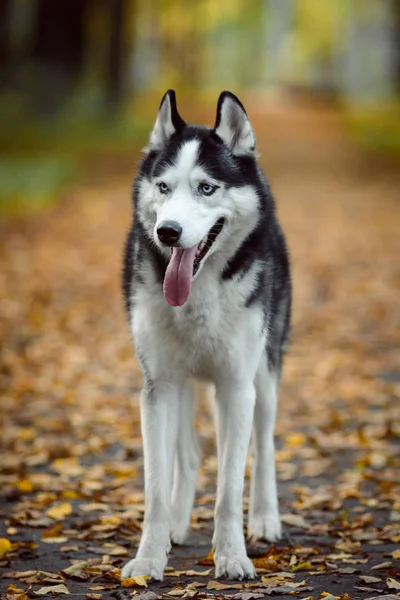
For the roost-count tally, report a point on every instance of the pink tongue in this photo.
(178, 276)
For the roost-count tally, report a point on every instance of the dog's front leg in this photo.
(159, 418)
(235, 407)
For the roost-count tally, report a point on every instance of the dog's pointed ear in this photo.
(167, 123)
(233, 126)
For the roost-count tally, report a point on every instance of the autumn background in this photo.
(80, 84)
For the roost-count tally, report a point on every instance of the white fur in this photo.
(212, 337)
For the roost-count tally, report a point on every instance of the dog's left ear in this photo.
(233, 126)
(167, 123)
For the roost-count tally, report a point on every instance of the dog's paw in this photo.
(264, 527)
(152, 567)
(234, 567)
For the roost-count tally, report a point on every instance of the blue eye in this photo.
(207, 189)
(164, 189)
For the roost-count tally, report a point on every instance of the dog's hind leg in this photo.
(264, 521)
(159, 406)
(186, 467)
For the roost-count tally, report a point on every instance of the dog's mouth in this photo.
(184, 264)
(206, 243)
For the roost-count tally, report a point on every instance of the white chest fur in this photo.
(205, 337)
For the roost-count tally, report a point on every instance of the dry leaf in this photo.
(247, 595)
(294, 521)
(177, 592)
(216, 585)
(382, 566)
(369, 579)
(135, 581)
(5, 546)
(301, 567)
(384, 597)
(286, 589)
(55, 589)
(60, 511)
(392, 584)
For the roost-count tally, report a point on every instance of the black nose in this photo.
(169, 232)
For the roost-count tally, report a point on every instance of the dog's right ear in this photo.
(167, 123)
(233, 126)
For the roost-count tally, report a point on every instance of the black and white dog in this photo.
(208, 293)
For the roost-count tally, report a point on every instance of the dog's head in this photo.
(196, 188)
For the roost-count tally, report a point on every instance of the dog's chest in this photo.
(196, 337)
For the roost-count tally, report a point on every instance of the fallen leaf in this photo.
(396, 554)
(216, 585)
(55, 589)
(384, 597)
(53, 532)
(392, 584)
(24, 485)
(381, 566)
(177, 592)
(75, 568)
(294, 521)
(247, 595)
(283, 574)
(301, 567)
(285, 589)
(208, 560)
(347, 571)
(369, 579)
(13, 589)
(5, 546)
(60, 511)
(136, 580)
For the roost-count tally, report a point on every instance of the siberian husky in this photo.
(208, 294)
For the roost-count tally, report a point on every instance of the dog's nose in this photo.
(169, 232)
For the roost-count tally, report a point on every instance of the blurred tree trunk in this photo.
(59, 34)
(115, 67)
(5, 6)
(396, 14)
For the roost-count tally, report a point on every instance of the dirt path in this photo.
(71, 462)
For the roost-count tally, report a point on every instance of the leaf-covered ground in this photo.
(71, 498)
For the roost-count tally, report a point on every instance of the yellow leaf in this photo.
(60, 511)
(136, 580)
(53, 532)
(70, 495)
(396, 554)
(24, 485)
(301, 567)
(13, 589)
(5, 545)
(295, 439)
